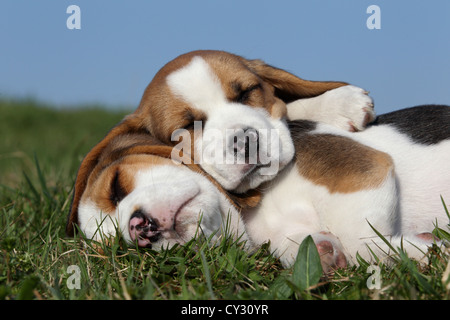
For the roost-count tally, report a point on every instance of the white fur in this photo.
(94, 223)
(342, 107)
(197, 84)
(423, 176)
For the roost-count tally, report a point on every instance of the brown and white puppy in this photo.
(339, 186)
(228, 113)
(128, 183)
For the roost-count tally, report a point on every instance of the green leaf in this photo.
(307, 267)
(280, 288)
(27, 287)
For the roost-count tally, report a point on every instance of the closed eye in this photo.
(244, 94)
(191, 119)
(189, 126)
(117, 191)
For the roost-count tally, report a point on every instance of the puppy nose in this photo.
(246, 143)
(154, 216)
(143, 229)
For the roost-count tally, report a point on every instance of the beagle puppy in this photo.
(339, 187)
(129, 183)
(228, 113)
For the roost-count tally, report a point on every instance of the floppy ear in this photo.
(247, 200)
(289, 87)
(129, 125)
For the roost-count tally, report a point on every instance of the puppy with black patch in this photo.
(343, 185)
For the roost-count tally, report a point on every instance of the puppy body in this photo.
(380, 176)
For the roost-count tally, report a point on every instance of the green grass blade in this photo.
(445, 208)
(207, 274)
(43, 181)
(32, 188)
(307, 267)
(421, 280)
(383, 238)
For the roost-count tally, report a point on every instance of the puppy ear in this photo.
(90, 162)
(247, 200)
(289, 87)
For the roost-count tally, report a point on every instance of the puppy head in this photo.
(153, 203)
(128, 183)
(230, 112)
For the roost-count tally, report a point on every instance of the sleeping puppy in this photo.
(227, 113)
(338, 183)
(128, 182)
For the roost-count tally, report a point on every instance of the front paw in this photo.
(352, 107)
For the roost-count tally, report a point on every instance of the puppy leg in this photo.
(348, 107)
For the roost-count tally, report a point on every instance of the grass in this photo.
(40, 150)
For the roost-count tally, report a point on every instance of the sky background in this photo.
(122, 44)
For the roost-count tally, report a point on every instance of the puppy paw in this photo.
(332, 256)
(350, 108)
(428, 237)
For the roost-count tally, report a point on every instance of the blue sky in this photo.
(122, 44)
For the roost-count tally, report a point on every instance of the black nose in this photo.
(144, 227)
(246, 143)
(147, 223)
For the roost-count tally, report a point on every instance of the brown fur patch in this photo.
(99, 190)
(341, 164)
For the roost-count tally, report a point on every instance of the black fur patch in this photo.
(300, 127)
(426, 124)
